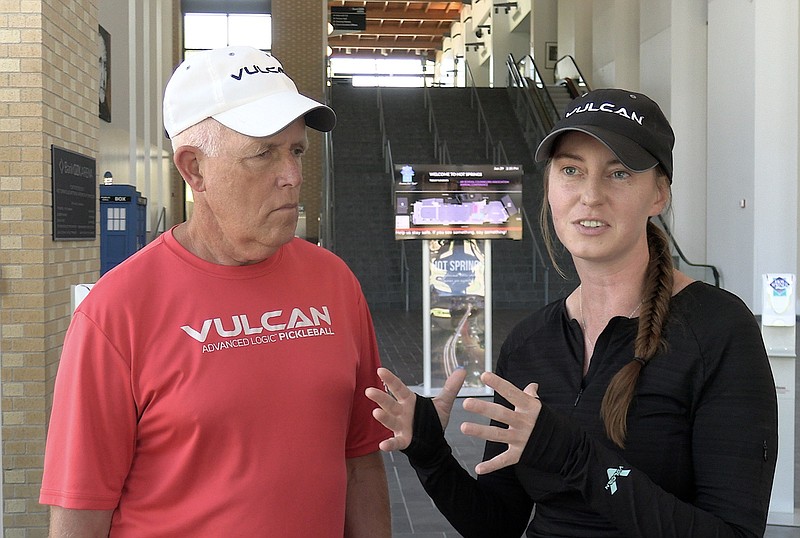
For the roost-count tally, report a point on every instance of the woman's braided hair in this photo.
(649, 337)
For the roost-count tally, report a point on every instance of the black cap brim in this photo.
(629, 153)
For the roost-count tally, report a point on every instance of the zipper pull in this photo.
(578, 398)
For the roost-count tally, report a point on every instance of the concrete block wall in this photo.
(48, 90)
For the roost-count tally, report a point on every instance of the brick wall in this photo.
(48, 89)
(298, 41)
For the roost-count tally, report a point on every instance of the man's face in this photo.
(252, 192)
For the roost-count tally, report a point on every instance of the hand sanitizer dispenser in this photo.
(778, 320)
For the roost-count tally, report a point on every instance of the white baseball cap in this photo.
(243, 88)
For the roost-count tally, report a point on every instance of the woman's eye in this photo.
(569, 170)
(620, 174)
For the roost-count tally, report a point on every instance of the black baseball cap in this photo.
(630, 124)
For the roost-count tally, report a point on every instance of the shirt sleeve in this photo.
(734, 448)
(365, 433)
(493, 505)
(90, 439)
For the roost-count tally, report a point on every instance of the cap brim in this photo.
(629, 153)
(271, 114)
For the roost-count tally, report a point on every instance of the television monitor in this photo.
(458, 201)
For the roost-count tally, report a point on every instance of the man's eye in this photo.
(620, 174)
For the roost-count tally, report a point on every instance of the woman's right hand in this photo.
(396, 406)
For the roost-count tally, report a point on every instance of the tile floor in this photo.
(413, 513)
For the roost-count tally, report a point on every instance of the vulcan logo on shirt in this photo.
(613, 474)
(240, 330)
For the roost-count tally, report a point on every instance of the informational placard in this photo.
(74, 195)
(349, 19)
(457, 305)
(458, 201)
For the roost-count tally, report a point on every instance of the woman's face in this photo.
(599, 207)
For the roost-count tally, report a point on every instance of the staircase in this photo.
(363, 208)
(363, 213)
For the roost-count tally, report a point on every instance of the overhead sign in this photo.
(349, 19)
(74, 195)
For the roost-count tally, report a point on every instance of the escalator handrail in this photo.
(581, 79)
(526, 94)
(542, 92)
(678, 250)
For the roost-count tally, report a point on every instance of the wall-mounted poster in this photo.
(105, 75)
(458, 201)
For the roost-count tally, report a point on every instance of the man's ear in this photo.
(187, 161)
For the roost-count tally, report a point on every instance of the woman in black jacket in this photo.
(643, 403)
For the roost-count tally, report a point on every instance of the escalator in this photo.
(539, 103)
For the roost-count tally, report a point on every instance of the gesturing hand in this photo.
(396, 408)
(520, 420)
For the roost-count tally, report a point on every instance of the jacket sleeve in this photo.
(492, 505)
(734, 448)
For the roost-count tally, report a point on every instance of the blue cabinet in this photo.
(123, 224)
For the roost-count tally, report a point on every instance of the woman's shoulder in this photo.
(706, 305)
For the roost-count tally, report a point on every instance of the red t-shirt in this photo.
(205, 400)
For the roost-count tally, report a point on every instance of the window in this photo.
(206, 26)
(212, 30)
(406, 73)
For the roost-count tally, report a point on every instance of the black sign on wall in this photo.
(351, 19)
(74, 195)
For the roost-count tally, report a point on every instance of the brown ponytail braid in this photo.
(649, 338)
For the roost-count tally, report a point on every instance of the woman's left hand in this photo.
(520, 420)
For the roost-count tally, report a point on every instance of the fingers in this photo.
(395, 385)
(452, 386)
(395, 410)
(507, 390)
(520, 420)
(497, 462)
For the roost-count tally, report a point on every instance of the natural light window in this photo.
(381, 71)
(213, 30)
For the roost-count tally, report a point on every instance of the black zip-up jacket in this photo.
(701, 447)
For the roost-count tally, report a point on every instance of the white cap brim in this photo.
(272, 113)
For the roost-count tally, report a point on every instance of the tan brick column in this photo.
(48, 95)
(299, 41)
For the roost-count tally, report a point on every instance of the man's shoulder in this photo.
(306, 251)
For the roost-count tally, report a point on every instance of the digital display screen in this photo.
(458, 201)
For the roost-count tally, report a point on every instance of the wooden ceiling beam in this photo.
(357, 43)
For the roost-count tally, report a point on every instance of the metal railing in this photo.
(705, 267)
(567, 69)
(388, 163)
(538, 259)
(527, 74)
(440, 151)
(499, 155)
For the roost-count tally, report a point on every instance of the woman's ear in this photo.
(664, 195)
(187, 161)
